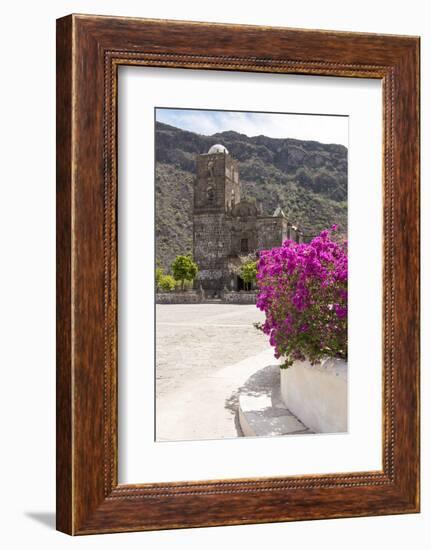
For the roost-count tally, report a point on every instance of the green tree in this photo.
(159, 275)
(167, 283)
(247, 269)
(184, 269)
(248, 272)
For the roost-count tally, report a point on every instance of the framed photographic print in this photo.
(237, 274)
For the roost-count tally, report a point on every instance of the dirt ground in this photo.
(205, 353)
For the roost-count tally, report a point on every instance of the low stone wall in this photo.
(317, 395)
(239, 297)
(187, 297)
(196, 297)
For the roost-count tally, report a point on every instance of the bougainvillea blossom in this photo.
(303, 293)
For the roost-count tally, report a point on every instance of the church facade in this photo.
(226, 226)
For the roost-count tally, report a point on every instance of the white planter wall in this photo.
(317, 395)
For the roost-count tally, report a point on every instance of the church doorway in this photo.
(241, 284)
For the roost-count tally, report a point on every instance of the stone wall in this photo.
(211, 247)
(272, 231)
(239, 297)
(196, 297)
(188, 297)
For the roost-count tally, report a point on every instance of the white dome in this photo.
(218, 149)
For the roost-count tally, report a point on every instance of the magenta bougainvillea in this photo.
(303, 292)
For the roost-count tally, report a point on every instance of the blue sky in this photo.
(326, 129)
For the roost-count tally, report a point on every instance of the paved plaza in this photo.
(205, 355)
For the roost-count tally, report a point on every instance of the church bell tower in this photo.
(217, 186)
(216, 191)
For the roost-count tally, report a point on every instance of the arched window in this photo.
(211, 169)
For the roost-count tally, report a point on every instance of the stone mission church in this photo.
(226, 226)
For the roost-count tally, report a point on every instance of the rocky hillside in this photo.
(308, 179)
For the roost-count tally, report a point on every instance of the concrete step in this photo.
(263, 414)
